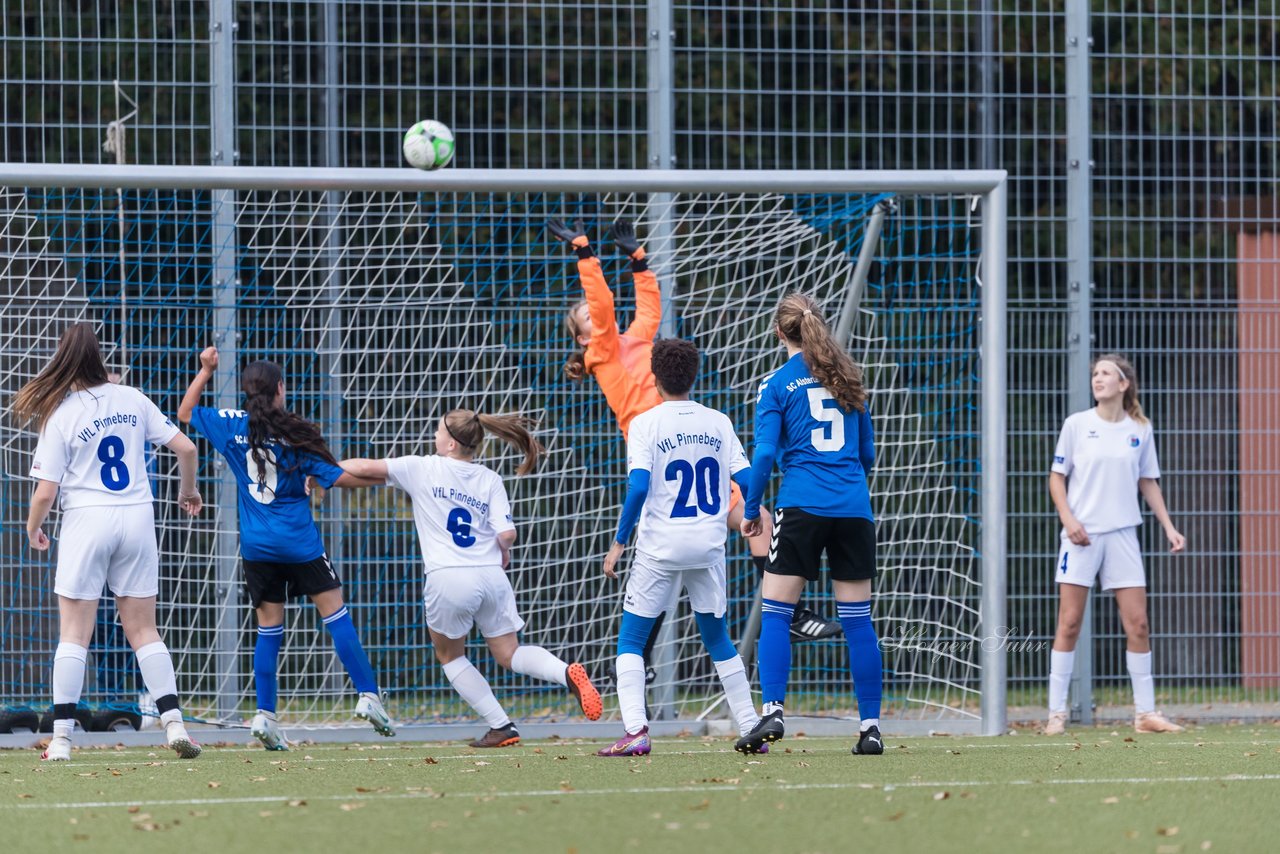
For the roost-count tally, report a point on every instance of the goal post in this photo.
(392, 295)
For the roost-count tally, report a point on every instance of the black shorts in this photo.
(268, 581)
(799, 538)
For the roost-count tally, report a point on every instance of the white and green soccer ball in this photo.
(428, 145)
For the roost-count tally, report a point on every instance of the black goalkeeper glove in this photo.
(624, 236)
(575, 235)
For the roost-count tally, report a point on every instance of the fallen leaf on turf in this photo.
(265, 814)
(1206, 845)
(430, 760)
(894, 816)
(213, 785)
(115, 773)
(802, 764)
(439, 825)
(954, 752)
(538, 750)
(1111, 800)
(348, 807)
(1052, 799)
(1168, 849)
(88, 774)
(968, 795)
(565, 787)
(1167, 831)
(257, 779)
(24, 795)
(1130, 739)
(148, 826)
(1131, 834)
(80, 837)
(941, 796)
(558, 758)
(380, 789)
(1251, 754)
(482, 764)
(706, 803)
(297, 803)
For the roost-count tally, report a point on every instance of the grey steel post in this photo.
(226, 335)
(1079, 287)
(987, 106)
(858, 281)
(660, 97)
(994, 482)
(334, 503)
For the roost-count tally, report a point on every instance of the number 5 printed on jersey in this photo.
(829, 437)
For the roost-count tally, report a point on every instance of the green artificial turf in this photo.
(1210, 788)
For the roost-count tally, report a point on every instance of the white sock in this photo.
(537, 662)
(1060, 666)
(68, 672)
(157, 670)
(868, 723)
(737, 690)
(474, 688)
(173, 716)
(631, 691)
(770, 708)
(1144, 686)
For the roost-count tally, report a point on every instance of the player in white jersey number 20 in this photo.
(466, 532)
(94, 440)
(680, 458)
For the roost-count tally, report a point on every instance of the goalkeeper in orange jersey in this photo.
(619, 361)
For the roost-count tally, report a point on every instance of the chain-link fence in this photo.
(1184, 259)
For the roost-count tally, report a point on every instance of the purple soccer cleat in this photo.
(629, 745)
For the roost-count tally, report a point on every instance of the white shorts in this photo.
(1113, 558)
(108, 545)
(457, 598)
(652, 589)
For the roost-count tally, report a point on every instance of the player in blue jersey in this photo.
(272, 452)
(812, 419)
(681, 457)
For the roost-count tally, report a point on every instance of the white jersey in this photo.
(458, 507)
(95, 446)
(690, 452)
(1103, 462)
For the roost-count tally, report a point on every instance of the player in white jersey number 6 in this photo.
(1105, 457)
(694, 452)
(466, 532)
(93, 446)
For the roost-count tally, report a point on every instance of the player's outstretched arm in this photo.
(604, 326)
(648, 295)
(46, 492)
(364, 472)
(188, 495)
(208, 364)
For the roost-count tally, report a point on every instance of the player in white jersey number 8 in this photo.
(94, 440)
(465, 528)
(1105, 457)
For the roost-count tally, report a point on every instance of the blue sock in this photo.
(634, 633)
(864, 655)
(774, 650)
(715, 636)
(266, 652)
(347, 643)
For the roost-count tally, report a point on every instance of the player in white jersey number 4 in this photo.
(95, 437)
(463, 516)
(680, 458)
(1105, 458)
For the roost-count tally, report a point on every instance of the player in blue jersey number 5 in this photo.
(272, 451)
(463, 516)
(93, 447)
(812, 419)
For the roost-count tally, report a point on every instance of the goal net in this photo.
(386, 309)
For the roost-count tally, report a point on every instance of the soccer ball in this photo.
(428, 145)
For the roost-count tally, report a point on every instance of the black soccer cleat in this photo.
(769, 729)
(806, 625)
(869, 743)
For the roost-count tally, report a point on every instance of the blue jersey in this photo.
(275, 513)
(824, 452)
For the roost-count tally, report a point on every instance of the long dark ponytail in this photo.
(799, 319)
(260, 381)
(468, 428)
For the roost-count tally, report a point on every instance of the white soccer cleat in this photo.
(369, 708)
(59, 749)
(181, 743)
(1154, 722)
(266, 730)
(1057, 724)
